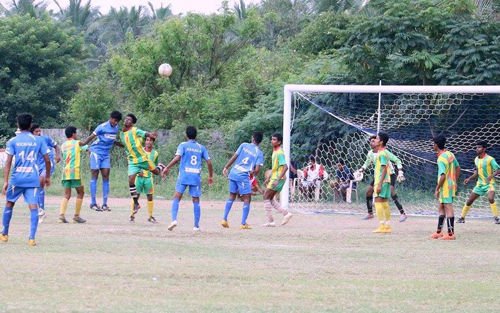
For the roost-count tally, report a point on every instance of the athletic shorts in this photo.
(481, 190)
(194, 190)
(144, 185)
(98, 161)
(278, 188)
(385, 193)
(30, 194)
(71, 183)
(41, 172)
(138, 167)
(393, 180)
(240, 187)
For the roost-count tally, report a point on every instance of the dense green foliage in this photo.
(230, 67)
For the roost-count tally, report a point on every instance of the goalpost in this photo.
(333, 123)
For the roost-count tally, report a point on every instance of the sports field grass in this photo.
(317, 263)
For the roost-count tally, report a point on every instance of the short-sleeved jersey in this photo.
(249, 156)
(447, 165)
(25, 148)
(192, 154)
(153, 156)
(382, 160)
(485, 167)
(71, 157)
(51, 144)
(106, 137)
(278, 161)
(132, 140)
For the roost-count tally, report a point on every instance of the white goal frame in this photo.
(375, 89)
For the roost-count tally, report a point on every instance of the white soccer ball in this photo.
(165, 70)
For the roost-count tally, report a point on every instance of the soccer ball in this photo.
(165, 70)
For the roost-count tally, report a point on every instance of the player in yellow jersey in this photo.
(382, 184)
(275, 183)
(131, 138)
(71, 177)
(486, 170)
(446, 188)
(144, 181)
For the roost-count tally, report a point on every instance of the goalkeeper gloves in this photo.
(401, 177)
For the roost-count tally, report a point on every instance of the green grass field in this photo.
(317, 263)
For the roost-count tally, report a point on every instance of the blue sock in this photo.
(227, 208)
(7, 215)
(197, 214)
(175, 209)
(105, 191)
(93, 190)
(41, 199)
(34, 222)
(246, 211)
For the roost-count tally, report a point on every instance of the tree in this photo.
(39, 68)
(80, 15)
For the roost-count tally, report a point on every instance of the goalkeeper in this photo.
(370, 158)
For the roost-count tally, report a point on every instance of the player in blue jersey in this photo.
(23, 150)
(55, 157)
(247, 160)
(100, 158)
(190, 154)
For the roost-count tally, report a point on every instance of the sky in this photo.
(177, 6)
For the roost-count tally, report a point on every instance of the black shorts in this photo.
(393, 180)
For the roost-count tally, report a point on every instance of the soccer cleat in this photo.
(403, 218)
(95, 207)
(245, 226)
(4, 238)
(437, 235)
(224, 224)
(105, 207)
(152, 219)
(62, 219)
(41, 215)
(132, 219)
(461, 220)
(78, 220)
(269, 224)
(447, 236)
(31, 243)
(387, 229)
(172, 225)
(196, 229)
(380, 229)
(497, 220)
(369, 216)
(286, 218)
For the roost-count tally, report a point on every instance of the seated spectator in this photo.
(314, 173)
(344, 177)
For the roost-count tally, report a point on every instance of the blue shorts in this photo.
(240, 187)
(30, 194)
(194, 190)
(98, 161)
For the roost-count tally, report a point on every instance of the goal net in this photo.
(333, 125)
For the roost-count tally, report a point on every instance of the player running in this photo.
(248, 160)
